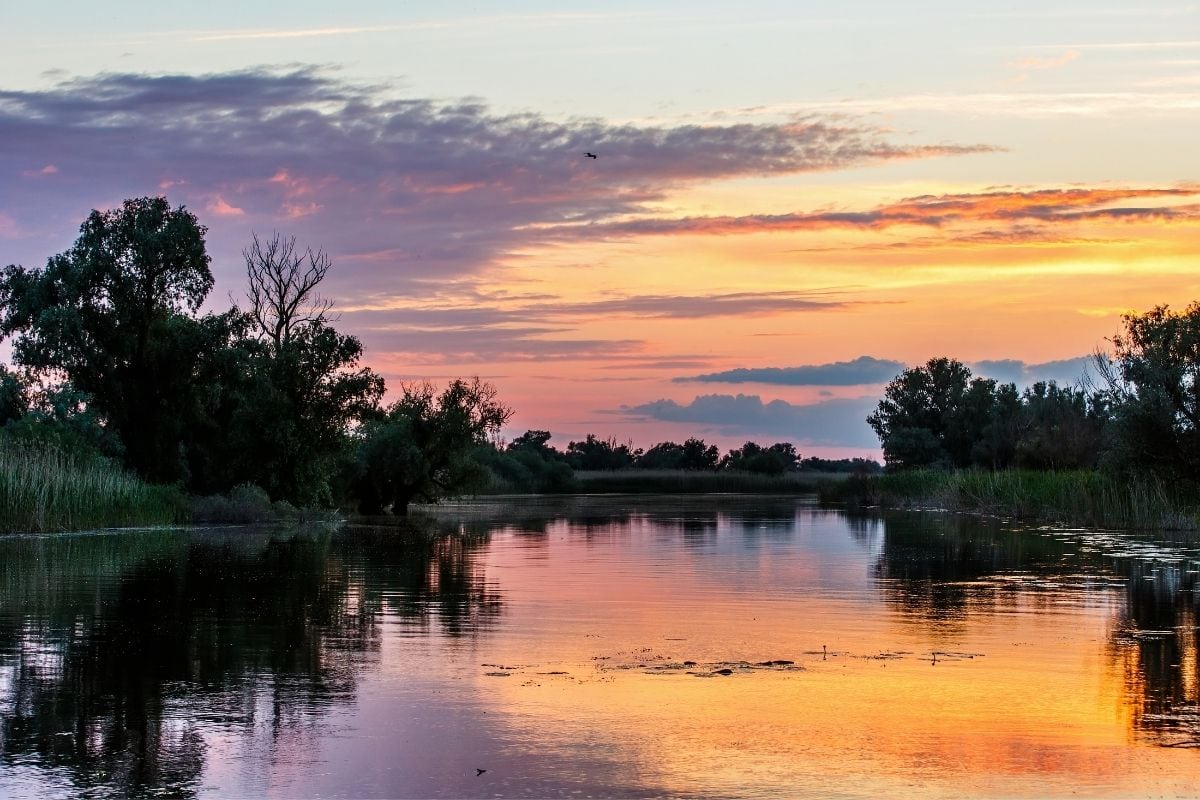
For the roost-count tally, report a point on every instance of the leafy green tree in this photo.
(1153, 385)
(424, 447)
(115, 315)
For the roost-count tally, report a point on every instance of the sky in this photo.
(791, 202)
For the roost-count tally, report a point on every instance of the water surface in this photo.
(576, 647)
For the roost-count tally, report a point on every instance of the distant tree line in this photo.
(1140, 417)
(530, 462)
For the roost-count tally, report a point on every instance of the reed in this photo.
(1080, 497)
(45, 489)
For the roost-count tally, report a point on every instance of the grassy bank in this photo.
(1077, 498)
(43, 489)
(653, 481)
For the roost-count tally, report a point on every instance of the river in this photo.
(708, 646)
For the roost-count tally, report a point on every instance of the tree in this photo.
(594, 453)
(282, 286)
(933, 415)
(14, 396)
(693, 454)
(1153, 385)
(777, 459)
(1060, 428)
(423, 449)
(305, 391)
(110, 316)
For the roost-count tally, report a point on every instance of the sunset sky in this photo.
(791, 202)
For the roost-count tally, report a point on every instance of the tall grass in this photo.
(1084, 498)
(45, 489)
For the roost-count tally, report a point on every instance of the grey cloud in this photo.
(493, 310)
(862, 370)
(469, 345)
(1065, 371)
(832, 422)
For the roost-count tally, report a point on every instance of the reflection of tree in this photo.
(939, 568)
(1157, 641)
(114, 675)
(935, 566)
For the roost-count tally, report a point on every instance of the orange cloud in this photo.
(221, 208)
(1039, 206)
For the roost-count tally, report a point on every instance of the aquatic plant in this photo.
(1074, 497)
(46, 489)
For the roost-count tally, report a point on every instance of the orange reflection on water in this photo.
(1020, 699)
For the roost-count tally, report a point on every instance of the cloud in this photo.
(832, 422)
(1065, 372)
(413, 189)
(861, 371)
(929, 211)
(470, 345)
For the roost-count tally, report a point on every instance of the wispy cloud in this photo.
(934, 211)
(1020, 104)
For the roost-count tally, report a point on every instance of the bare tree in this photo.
(283, 284)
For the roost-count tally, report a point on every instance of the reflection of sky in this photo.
(1042, 683)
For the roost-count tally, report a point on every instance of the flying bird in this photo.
(479, 771)
(590, 155)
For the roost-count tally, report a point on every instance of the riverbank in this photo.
(1080, 498)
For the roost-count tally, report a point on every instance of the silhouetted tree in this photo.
(933, 415)
(693, 454)
(115, 315)
(424, 448)
(1153, 384)
(777, 459)
(1060, 428)
(594, 453)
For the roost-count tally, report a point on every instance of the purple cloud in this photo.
(399, 191)
(839, 422)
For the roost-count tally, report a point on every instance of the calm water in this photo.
(602, 647)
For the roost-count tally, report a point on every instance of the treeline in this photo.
(530, 463)
(114, 363)
(1139, 419)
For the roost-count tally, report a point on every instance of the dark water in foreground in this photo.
(579, 647)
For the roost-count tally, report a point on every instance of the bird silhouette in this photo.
(590, 155)
(479, 771)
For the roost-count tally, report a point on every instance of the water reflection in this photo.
(939, 569)
(153, 663)
(117, 649)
